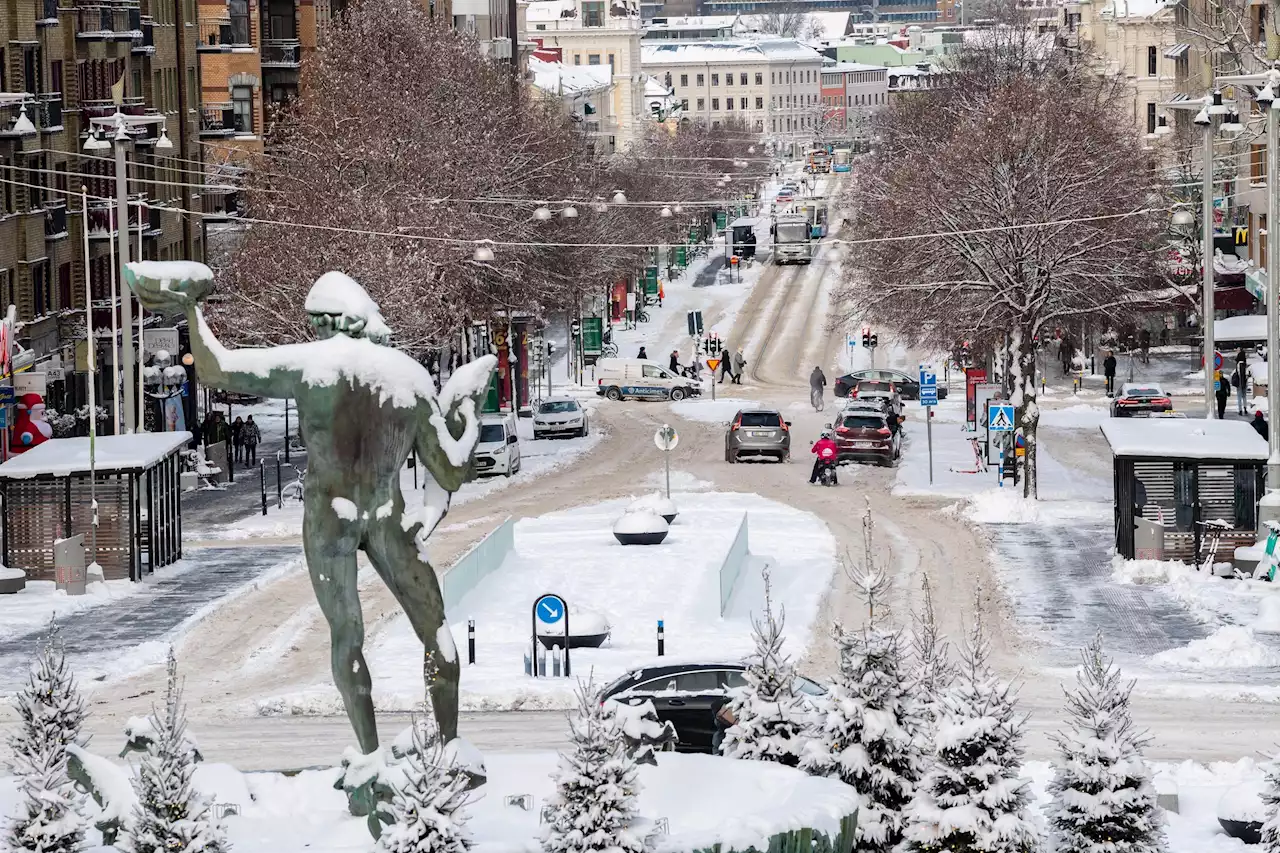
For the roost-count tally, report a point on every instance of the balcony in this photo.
(281, 53)
(215, 37)
(49, 9)
(43, 113)
(122, 20)
(145, 42)
(103, 219)
(221, 204)
(107, 108)
(55, 219)
(221, 120)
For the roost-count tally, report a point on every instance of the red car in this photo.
(863, 435)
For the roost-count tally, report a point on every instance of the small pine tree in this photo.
(931, 670)
(770, 720)
(1102, 799)
(52, 711)
(1271, 799)
(594, 807)
(971, 800)
(171, 816)
(428, 807)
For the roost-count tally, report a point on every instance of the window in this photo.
(242, 106)
(759, 126)
(715, 79)
(759, 103)
(40, 289)
(612, 69)
(593, 59)
(239, 10)
(702, 104)
(701, 80)
(728, 79)
(715, 103)
(705, 681)
(772, 75)
(593, 13)
(728, 104)
(1257, 164)
(742, 103)
(742, 79)
(759, 79)
(684, 80)
(1151, 118)
(684, 104)
(666, 79)
(55, 75)
(64, 286)
(750, 420)
(652, 372)
(1153, 62)
(577, 59)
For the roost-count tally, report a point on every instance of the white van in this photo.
(618, 378)
(498, 450)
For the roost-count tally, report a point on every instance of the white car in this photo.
(498, 450)
(559, 416)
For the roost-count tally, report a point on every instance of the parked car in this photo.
(757, 432)
(498, 449)
(619, 378)
(1139, 399)
(879, 389)
(559, 416)
(864, 435)
(908, 386)
(786, 195)
(689, 695)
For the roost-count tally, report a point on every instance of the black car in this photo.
(908, 386)
(689, 695)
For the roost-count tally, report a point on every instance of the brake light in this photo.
(843, 430)
(884, 431)
(735, 426)
(1163, 401)
(785, 428)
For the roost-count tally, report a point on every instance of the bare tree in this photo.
(1012, 199)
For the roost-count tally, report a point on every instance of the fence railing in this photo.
(477, 564)
(734, 562)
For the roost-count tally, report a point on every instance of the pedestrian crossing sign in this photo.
(1000, 417)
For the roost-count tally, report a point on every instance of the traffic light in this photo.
(874, 341)
(866, 336)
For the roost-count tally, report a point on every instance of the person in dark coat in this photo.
(1109, 370)
(642, 353)
(726, 366)
(1223, 393)
(1259, 424)
(674, 364)
(252, 436)
(237, 438)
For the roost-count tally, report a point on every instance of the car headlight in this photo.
(499, 451)
(537, 422)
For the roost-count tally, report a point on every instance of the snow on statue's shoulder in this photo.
(170, 271)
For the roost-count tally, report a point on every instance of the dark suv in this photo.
(689, 695)
(863, 434)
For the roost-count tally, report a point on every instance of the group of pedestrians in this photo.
(731, 365)
(243, 436)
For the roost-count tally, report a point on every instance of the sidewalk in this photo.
(114, 637)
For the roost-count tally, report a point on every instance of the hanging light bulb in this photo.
(484, 252)
(542, 213)
(569, 211)
(751, 149)
(96, 142)
(739, 164)
(679, 208)
(619, 197)
(726, 177)
(665, 213)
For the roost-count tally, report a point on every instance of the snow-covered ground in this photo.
(537, 457)
(704, 799)
(32, 608)
(573, 553)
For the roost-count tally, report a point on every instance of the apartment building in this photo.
(851, 93)
(596, 32)
(66, 69)
(585, 93)
(773, 84)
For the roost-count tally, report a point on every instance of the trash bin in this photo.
(1148, 539)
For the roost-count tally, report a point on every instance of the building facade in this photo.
(585, 93)
(774, 85)
(66, 70)
(851, 93)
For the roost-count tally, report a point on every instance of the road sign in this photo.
(853, 342)
(928, 395)
(927, 375)
(1217, 360)
(666, 438)
(713, 363)
(1000, 417)
(551, 611)
(7, 394)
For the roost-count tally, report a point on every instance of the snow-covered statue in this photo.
(362, 407)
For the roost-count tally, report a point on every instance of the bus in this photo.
(841, 160)
(792, 242)
(817, 160)
(814, 211)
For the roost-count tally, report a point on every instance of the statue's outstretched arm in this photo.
(449, 426)
(170, 287)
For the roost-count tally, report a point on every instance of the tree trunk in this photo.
(1024, 397)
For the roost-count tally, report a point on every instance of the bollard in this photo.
(471, 641)
(231, 463)
(542, 660)
(262, 477)
(555, 661)
(528, 664)
(662, 639)
(279, 485)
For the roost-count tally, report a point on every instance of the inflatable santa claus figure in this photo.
(29, 427)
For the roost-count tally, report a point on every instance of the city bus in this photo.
(841, 160)
(817, 160)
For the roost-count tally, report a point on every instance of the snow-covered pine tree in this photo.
(864, 732)
(1102, 799)
(970, 800)
(171, 816)
(1271, 799)
(594, 807)
(771, 722)
(931, 668)
(51, 710)
(429, 806)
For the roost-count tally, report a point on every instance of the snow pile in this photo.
(1008, 506)
(640, 521)
(1268, 621)
(30, 609)
(1229, 647)
(1079, 416)
(708, 411)
(654, 503)
(1244, 802)
(1212, 600)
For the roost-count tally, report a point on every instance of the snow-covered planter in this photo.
(587, 630)
(656, 504)
(641, 528)
(1241, 811)
(12, 580)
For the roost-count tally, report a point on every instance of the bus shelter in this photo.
(46, 496)
(742, 236)
(1172, 475)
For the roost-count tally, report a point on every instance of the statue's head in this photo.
(337, 304)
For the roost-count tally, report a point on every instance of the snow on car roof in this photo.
(1176, 438)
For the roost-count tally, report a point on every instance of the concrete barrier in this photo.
(734, 562)
(474, 566)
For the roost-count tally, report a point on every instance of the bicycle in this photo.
(296, 489)
(609, 350)
(816, 400)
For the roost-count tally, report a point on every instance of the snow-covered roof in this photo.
(1251, 327)
(1136, 8)
(688, 53)
(852, 67)
(694, 22)
(557, 78)
(59, 457)
(550, 10)
(1183, 438)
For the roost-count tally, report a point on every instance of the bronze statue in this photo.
(362, 407)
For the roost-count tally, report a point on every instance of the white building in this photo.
(772, 84)
(692, 28)
(603, 33)
(584, 91)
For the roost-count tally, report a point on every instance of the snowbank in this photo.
(1212, 600)
(31, 609)
(1008, 506)
(1229, 647)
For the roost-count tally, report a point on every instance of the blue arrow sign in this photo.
(550, 609)
(1000, 417)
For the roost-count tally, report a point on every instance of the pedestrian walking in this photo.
(237, 438)
(739, 362)
(1144, 341)
(1066, 351)
(252, 435)
(726, 365)
(674, 364)
(1240, 379)
(662, 293)
(1223, 393)
(642, 354)
(1109, 370)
